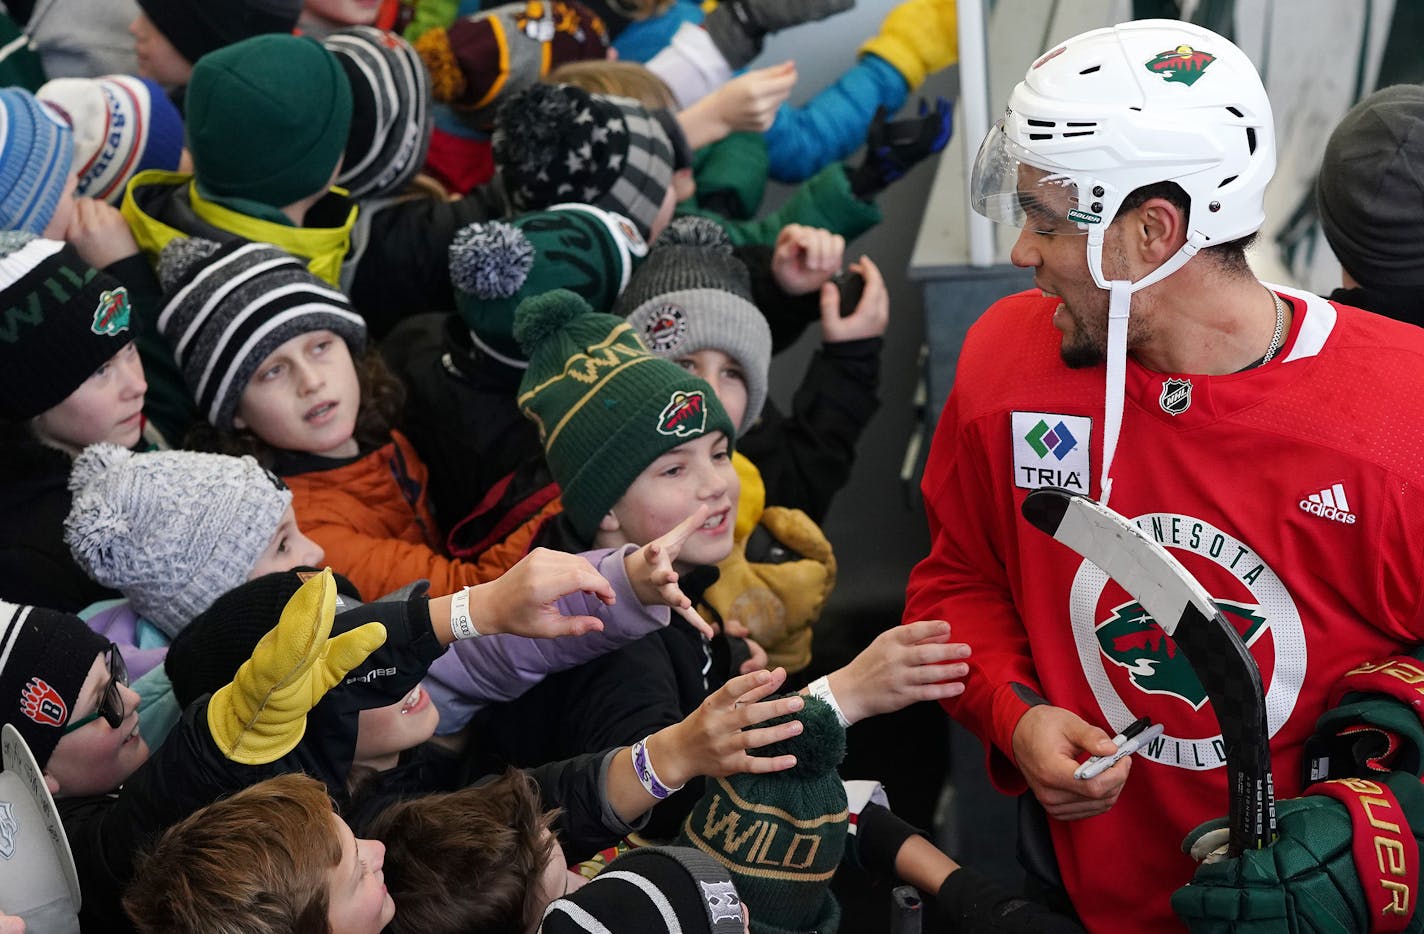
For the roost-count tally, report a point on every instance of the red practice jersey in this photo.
(1294, 491)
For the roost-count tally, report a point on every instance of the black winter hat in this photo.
(68, 319)
(638, 890)
(45, 656)
(1370, 187)
(197, 27)
(206, 655)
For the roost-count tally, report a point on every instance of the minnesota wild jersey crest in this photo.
(1132, 639)
(1134, 669)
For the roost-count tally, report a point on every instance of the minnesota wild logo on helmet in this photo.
(1184, 64)
(1132, 639)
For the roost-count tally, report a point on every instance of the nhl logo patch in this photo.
(684, 416)
(1176, 396)
(665, 328)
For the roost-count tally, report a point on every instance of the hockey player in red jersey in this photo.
(1268, 438)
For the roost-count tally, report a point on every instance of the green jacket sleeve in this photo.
(823, 201)
(734, 170)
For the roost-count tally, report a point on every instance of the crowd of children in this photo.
(397, 516)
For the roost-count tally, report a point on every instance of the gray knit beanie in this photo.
(692, 294)
(229, 306)
(171, 530)
(1371, 186)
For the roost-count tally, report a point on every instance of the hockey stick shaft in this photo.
(1179, 604)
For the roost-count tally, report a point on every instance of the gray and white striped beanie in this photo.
(231, 305)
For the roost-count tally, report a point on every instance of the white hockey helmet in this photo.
(1114, 109)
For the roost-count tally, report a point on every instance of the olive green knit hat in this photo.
(605, 407)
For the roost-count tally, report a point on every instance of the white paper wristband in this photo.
(461, 625)
(821, 688)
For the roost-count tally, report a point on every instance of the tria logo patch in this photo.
(1132, 639)
(685, 415)
(42, 703)
(1051, 449)
(665, 328)
(1329, 503)
(1183, 64)
(112, 315)
(1176, 396)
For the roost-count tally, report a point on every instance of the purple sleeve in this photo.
(490, 669)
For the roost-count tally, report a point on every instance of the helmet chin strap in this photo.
(1119, 307)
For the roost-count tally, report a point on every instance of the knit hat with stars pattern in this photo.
(557, 143)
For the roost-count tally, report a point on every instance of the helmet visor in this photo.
(1007, 187)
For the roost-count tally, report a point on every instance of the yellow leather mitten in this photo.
(776, 581)
(261, 714)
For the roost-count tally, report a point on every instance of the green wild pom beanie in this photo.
(782, 834)
(605, 407)
(496, 265)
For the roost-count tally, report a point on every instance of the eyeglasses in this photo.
(111, 705)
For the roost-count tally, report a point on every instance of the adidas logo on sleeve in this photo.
(1329, 503)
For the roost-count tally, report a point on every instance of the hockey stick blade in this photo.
(1184, 609)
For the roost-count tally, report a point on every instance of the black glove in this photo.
(970, 901)
(893, 147)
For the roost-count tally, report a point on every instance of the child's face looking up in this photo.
(695, 472)
(726, 376)
(304, 397)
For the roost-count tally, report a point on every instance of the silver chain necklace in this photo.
(1278, 333)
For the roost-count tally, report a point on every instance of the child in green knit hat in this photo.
(635, 442)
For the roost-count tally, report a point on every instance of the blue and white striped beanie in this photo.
(229, 306)
(36, 153)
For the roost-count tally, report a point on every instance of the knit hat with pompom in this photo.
(692, 294)
(171, 530)
(782, 834)
(605, 407)
(495, 265)
(557, 143)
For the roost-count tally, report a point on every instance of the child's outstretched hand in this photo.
(651, 573)
(805, 258)
(902, 665)
(713, 741)
(524, 600)
(869, 318)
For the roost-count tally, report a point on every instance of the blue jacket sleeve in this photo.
(833, 124)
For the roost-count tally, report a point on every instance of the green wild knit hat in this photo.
(496, 265)
(268, 119)
(782, 834)
(605, 407)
